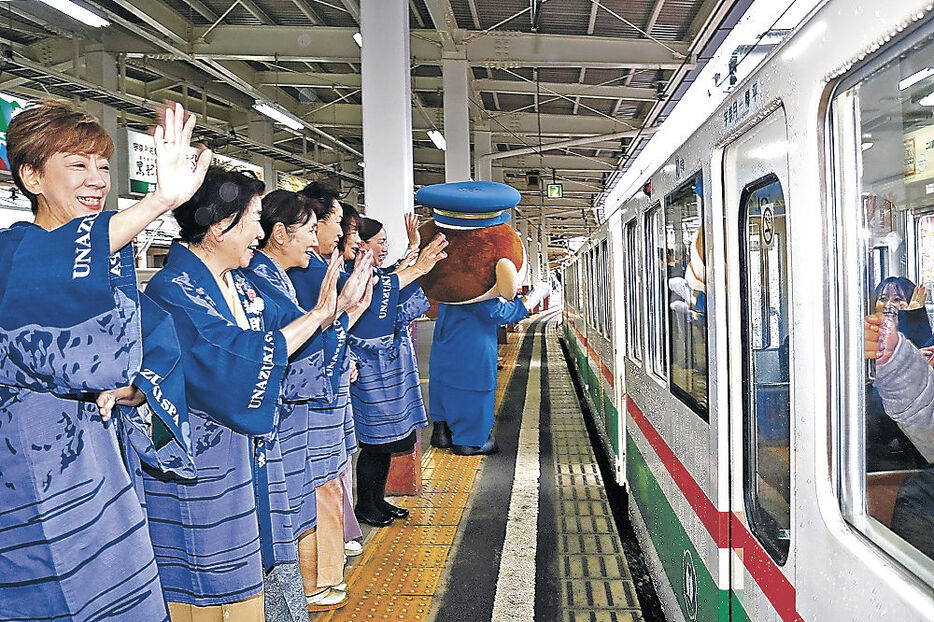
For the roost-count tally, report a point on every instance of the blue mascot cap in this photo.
(469, 204)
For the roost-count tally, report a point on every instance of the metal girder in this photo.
(321, 80)
(494, 49)
(560, 162)
(569, 90)
(353, 7)
(519, 123)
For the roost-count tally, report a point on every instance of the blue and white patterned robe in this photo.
(387, 396)
(207, 532)
(316, 364)
(73, 538)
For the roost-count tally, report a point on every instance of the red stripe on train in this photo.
(603, 368)
(767, 575)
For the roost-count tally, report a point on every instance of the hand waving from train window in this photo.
(918, 298)
(880, 336)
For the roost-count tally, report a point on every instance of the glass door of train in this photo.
(760, 379)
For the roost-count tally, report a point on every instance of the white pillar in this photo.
(543, 230)
(102, 69)
(456, 120)
(388, 178)
(261, 130)
(523, 227)
(483, 145)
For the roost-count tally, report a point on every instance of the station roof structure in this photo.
(573, 86)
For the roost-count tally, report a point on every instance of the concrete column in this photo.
(523, 228)
(483, 145)
(261, 130)
(543, 230)
(536, 273)
(387, 117)
(102, 69)
(456, 120)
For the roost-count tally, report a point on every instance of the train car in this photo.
(718, 319)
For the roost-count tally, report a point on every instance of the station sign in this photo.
(555, 191)
(290, 182)
(141, 162)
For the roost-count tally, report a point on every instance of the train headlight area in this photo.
(728, 412)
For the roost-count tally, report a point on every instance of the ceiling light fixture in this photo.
(438, 139)
(279, 114)
(914, 78)
(79, 13)
(358, 38)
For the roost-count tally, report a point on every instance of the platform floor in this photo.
(527, 534)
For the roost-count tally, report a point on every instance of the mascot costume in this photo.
(476, 289)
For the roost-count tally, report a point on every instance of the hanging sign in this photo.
(288, 182)
(768, 225)
(555, 191)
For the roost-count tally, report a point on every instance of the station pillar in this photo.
(261, 130)
(102, 70)
(546, 274)
(482, 145)
(456, 119)
(388, 176)
(523, 227)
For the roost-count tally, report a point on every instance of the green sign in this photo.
(555, 191)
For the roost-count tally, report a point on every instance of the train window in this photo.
(687, 308)
(656, 267)
(633, 293)
(884, 152)
(767, 409)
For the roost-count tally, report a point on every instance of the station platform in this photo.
(526, 534)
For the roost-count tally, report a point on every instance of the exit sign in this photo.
(555, 191)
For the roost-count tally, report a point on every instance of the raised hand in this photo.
(357, 282)
(411, 230)
(326, 306)
(176, 182)
(919, 297)
(431, 254)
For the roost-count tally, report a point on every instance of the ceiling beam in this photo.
(569, 90)
(494, 49)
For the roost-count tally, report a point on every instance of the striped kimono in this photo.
(214, 536)
(73, 538)
(297, 434)
(387, 396)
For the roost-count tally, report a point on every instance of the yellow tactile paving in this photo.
(396, 577)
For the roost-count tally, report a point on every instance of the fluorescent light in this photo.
(358, 38)
(277, 113)
(437, 138)
(77, 12)
(866, 146)
(927, 100)
(914, 78)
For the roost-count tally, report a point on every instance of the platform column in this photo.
(388, 178)
(523, 227)
(456, 120)
(483, 145)
(102, 70)
(261, 130)
(543, 229)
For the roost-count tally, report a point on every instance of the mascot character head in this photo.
(485, 258)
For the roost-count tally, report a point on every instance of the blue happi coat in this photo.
(330, 420)
(73, 538)
(297, 426)
(387, 396)
(207, 532)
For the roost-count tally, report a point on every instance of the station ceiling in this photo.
(543, 71)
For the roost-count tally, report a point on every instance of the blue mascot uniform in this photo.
(462, 367)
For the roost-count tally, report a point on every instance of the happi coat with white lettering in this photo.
(387, 396)
(313, 375)
(73, 538)
(330, 420)
(214, 535)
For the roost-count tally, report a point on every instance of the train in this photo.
(716, 323)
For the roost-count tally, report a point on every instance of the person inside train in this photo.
(217, 535)
(387, 398)
(905, 383)
(71, 325)
(887, 446)
(321, 557)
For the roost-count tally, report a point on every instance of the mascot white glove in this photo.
(539, 292)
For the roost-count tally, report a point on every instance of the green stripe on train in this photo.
(677, 553)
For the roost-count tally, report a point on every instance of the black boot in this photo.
(489, 447)
(440, 435)
(380, 492)
(369, 468)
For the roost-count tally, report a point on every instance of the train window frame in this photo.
(671, 200)
(849, 290)
(605, 289)
(761, 522)
(656, 299)
(633, 290)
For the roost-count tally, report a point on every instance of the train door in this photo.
(762, 557)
